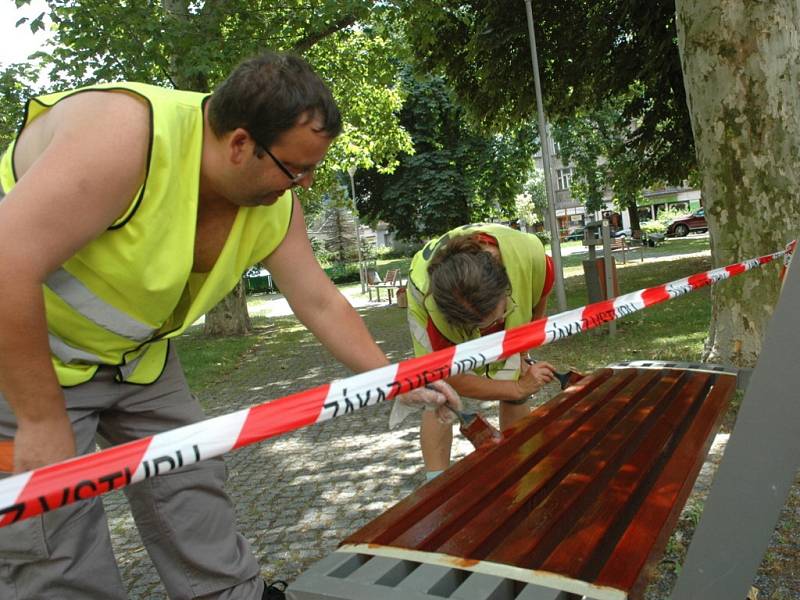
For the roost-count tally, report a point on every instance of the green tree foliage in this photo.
(338, 234)
(193, 45)
(590, 52)
(531, 205)
(662, 220)
(597, 148)
(584, 142)
(457, 174)
(16, 84)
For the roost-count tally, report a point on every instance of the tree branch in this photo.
(307, 42)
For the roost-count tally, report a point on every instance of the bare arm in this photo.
(483, 388)
(540, 309)
(80, 165)
(317, 303)
(329, 316)
(532, 377)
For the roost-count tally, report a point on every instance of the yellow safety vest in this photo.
(119, 298)
(524, 259)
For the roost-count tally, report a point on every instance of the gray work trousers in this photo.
(184, 517)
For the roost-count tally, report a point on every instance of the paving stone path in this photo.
(297, 496)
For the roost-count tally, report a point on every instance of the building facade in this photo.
(571, 212)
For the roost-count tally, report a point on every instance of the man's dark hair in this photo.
(268, 94)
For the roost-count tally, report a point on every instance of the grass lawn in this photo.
(673, 330)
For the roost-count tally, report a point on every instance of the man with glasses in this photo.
(472, 281)
(127, 212)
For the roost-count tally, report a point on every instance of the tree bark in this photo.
(633, 214)
(308, 42)
(230, 316)
(741, 67)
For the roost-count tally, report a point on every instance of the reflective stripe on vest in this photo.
(84, 302)
(78, 296)
(415, 293)
(126, 370)
(417, 331)
(70, 354)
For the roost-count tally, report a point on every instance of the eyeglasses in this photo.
(293, 178)
(511, 306)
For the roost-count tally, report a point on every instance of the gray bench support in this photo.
(757, 470)
(346, 576)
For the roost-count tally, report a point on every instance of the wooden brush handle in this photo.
(6, 456)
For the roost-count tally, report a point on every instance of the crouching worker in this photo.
(473, 281)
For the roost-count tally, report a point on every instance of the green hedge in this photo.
(338, 273)
(343, 272)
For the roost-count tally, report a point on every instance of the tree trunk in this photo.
(633, 215)
(741, 73)
(229, 317)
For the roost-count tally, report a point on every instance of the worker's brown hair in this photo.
(466, 281)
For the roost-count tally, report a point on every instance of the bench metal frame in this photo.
(757, 470)
(346, 576)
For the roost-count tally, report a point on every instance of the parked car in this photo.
(624, 232)
(575, 234)
(681, 226)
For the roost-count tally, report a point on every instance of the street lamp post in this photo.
(361, 274)
(544, 138)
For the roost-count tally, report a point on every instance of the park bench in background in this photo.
(621, 244)
(392, 281)
(580, 497)
(641, 239)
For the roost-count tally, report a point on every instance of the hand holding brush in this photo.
(564, 378)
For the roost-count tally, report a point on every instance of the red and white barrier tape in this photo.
(29, 494)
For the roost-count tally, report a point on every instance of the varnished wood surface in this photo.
(6, 456)
(585, 490)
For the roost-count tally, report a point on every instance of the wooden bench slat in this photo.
(438, 528)
(386, 527)
(622, 244)
(579, 496)
(628, 567)
(552, 520)
(496, 522)
(392, 281)
(578, 555)
(440, 521)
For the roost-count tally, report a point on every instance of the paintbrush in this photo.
(6, 456)
(476, 428)
(563, 378)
